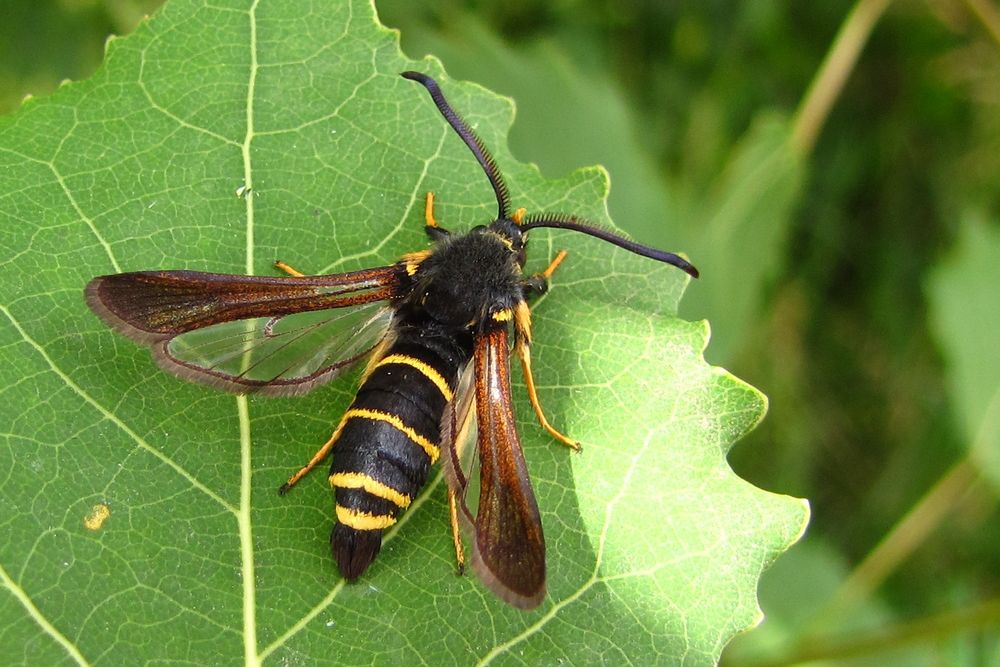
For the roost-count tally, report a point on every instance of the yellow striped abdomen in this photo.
(388, 439)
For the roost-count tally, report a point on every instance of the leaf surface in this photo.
(965, 314)
(142, 517)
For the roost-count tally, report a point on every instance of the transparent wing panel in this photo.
(281, 355)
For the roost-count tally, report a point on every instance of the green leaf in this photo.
(965, 314)
(141, 517)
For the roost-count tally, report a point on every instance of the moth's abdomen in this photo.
(386, 443)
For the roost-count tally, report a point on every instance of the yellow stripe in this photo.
(363, 520)
(412, 260)
(503, 315)
(359, 480)
(425, 444)
(421, 366)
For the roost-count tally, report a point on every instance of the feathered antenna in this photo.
(486, 161)
(471, 140)
(576, 225)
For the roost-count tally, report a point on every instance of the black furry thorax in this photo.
(469, 277)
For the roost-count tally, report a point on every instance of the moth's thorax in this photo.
(469, 277)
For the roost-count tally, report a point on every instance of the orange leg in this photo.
(317, 458)
(429, 211)
(553, 265)
(524, 352)
(287, 269)
(522, 326)
(456, 534)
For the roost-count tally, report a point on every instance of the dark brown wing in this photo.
(278, 336)
(149, 306)
(508, 546)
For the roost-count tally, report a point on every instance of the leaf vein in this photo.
(328, 599)
(110, 416)
(414, 195)
(38, 617)
(73, 203)
(250, 649)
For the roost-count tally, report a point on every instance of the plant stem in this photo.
(988, 16)
(908, 534)
(833, 73)
(895, 637)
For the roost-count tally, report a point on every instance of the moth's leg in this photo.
(287, 269)
(522, 344)
(456, 534)
(316, 459)
(434, 231)
(539, 282)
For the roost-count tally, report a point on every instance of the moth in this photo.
(437, 329)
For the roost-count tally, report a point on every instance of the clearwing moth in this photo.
(436, 328)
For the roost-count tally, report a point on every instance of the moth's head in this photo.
(510, 233)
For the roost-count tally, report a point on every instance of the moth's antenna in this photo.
(474, 143)
(557, 222)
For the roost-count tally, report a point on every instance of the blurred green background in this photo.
(832, 168)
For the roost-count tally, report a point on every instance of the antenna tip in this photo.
(419, 77)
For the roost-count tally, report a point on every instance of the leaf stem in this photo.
(244, 519)
(987, 15)
(248, 139)
(833, 73)
(908, 534)
(962, 481)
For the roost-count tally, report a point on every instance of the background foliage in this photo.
(852, 277)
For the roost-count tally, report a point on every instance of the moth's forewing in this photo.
(153, 305)
(279, 336)
(508, 550)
